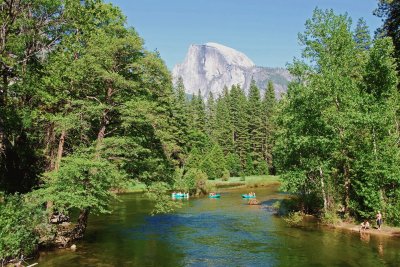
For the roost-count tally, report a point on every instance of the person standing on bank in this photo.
(379, 220)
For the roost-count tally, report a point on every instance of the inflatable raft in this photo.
(248, 196)
(180, 195)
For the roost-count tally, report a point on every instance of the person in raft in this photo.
(379, 220)
(364, 225)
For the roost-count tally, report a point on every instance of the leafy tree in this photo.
(106, 104)
(332, 146)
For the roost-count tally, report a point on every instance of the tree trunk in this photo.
(49, 151)
(103, 122)
(80, 228)
(4, 88)
(347, 189)
(323, 190)
(56, 167)
(60, 150)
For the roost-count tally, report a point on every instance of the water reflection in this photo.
(365, 236)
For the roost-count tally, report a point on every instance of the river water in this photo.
(217, 232)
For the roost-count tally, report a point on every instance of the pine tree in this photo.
(389, 11)
(269, 104)
(255, 124)
(224, 131)
(180, 123)
(361, 35)
(211, 111)
(238, 110)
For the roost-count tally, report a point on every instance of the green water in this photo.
(217, 232)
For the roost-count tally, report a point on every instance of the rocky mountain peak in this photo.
(211, 66)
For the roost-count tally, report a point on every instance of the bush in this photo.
(262, 168)
(196, 180)
(17, 223)
(287, 206)
(180, 183)
(294, 218)
(276, 206)
(330, 218)
(225, 175)
(242, 176)
(158, 192)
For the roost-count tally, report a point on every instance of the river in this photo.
(217, 232)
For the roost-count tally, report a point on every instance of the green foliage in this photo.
(213, 163)
(225, 175)
(193, 181)
(82, 182)
(339, 121)
(262, 168)
(159, 193)
(330, 218)
(294, 218)
(18, 220)
(388, 11)
(249, 168)
(233, 164)
(197, 180)
(242, 176)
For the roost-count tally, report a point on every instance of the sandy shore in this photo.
(385, 230)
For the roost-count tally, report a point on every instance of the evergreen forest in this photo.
(86, 110)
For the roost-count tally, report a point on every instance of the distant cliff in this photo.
(212, 66)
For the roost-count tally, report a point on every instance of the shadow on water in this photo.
(217, 232)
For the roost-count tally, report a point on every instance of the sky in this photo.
(265, 30)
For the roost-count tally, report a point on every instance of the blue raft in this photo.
(180, 195)
(248, 196)
(214, 196)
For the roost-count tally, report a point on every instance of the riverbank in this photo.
(253, 181)
(385, 230)
(246, 181)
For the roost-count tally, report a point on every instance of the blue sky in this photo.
(265, 30)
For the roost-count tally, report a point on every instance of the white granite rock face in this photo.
(212, 66)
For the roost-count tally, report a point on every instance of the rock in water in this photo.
(212, 66)
(253, 201)
(73, 247)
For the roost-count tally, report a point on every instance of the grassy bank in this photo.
(247, 181)
(132, 187)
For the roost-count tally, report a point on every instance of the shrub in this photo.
(225, 175)
(276, 206)
(330, 218)
(242, 176)
(262, 168)
(294, 218)
(17, 223)
(195, 180)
